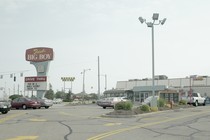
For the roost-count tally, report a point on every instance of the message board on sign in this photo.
(36, 83)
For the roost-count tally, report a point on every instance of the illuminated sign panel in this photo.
(36, 83)
(39, 54)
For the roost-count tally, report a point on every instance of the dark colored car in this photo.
(207, 101)
(24, 103)
(5, 106)
(46, 103)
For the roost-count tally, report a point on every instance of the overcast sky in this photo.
(81, 30)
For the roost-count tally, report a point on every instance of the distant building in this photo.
(142, 88)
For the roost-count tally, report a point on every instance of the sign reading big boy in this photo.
(40, 57)
(39, 54)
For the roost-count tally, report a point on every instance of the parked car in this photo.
(5, 106)
(207, 100)
(148, 100)
(46, 103)
(24, 103)
(123, 98)
(57, 101)
(110, 101)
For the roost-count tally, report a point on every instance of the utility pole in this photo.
(98, 78)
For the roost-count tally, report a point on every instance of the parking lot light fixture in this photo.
(151, 25)
(155, 16)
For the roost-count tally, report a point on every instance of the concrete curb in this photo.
(141, 114)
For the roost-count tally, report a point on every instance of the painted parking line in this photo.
(112, 124)
(79, 116)
(2, 120)
(114, 132)
(37, 120)
(24, 138)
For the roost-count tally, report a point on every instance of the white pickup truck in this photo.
(195, 99)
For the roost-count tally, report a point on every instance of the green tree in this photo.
(68, 96)
(60, 94)
(12, 97)
(93, 96)
(49, 94)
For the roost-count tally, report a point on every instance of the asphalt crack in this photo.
(187, 124)
(69, 128)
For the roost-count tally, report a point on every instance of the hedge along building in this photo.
(40, 57)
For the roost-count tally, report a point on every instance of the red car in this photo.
(24, 103)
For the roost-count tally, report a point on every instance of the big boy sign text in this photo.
(39, 54)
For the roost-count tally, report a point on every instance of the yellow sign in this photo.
(67, 78)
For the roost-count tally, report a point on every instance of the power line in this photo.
(10, 72)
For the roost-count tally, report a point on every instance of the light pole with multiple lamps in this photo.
(83, 85)
(66, 79)
(151, 25)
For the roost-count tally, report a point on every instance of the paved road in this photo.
(84, 122)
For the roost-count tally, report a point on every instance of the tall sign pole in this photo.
(40, 57)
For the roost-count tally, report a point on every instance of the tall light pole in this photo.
(151, 25)
(83, 85)
(72, 80)
(99, 78)
(105, 76)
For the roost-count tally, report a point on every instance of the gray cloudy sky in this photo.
(81, 30)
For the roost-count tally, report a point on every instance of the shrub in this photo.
(124, 105)
(67, 100)
(145, 108)
(182, 102)
(154, 109)
(161, 102)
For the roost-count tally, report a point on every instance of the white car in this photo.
(110, 101)
(44, 102)
(57, 101)
(148, 100)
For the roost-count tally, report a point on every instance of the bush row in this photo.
(127, 105)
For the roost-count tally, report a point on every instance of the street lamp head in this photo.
(155, 16)
(149, 24)
(141, 19)
(163, 21)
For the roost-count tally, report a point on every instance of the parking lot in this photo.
(85, 122)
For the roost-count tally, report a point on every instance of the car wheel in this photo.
(46, 107)
(196, 103)
(104, 107)
(4, 112)
(204, 103)
(24, 107)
